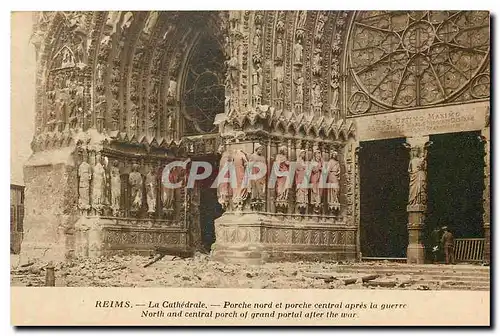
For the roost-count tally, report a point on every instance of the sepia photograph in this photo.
(251, 149)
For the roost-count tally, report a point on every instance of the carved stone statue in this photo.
(302, 19)
(297, 52)
(316, 95)
(333, 180)
(224, 188)
(300, 181)
(316, 62)
(115, 184)
(98, 184)
(67, 59)
(84, 175)
(281, 166)
(299, 90)
(258, 187)
(278, 78)
(257, 40)
(151, 21)
(257, 85)
(240, 191)
(151, 187)
(317, 169)
(418, 176)
(172, 90)
(234, 19)
(279, 49)
(233, 67)
(135, 181)
(335, 94)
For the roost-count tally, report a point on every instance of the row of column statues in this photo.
(104, 189)
(313, 183)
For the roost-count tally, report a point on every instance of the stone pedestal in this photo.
(415, 252)
(51, 205)
(255, 238)
(238, 239)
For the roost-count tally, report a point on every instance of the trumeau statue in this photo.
(258, 187)
(84, 175)
(151, 186)
(98, 184)
(115, 184)
(333, 180)
(417, 170)
(135, 181)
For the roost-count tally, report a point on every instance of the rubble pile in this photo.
(200, 271)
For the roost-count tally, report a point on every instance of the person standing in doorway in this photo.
(447, 240)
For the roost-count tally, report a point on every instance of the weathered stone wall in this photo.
(50, 202)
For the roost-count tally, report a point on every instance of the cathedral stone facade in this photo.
(122, 94)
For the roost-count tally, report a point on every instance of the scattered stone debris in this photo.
(198, 270)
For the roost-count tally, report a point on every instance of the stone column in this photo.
(485, 137)
(417, 200)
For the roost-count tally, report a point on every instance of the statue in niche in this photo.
(281, 166)
(418, 176)
(168, 192)
(127, 20)
(335, 94)
(84, 177)
(150, 22)
(316, 62)
(135, 181)
(224, 188)
(316, 95)
(333, 180)
(278, 78)
(257, 84)
(151, 186)
(300, 181)
(172, 90)
(279, 49)
(257, 40)
(299, 90)
(320, 26)
(76, 113)
(297, 52)
(316, 190)
(233, 67)
(98, 184)
(234, 19)
(258, 187)
(115, 183)
(134, 117)
(335, 70)
(302, 19)
(67, 59)
(240, 191)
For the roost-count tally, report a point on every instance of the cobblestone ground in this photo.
(199, 271)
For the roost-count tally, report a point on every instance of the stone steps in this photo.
(447, 277)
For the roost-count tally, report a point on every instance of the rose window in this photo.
(404, 59)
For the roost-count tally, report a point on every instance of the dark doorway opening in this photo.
(210, 209)
(383, 198)
(455, 185)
